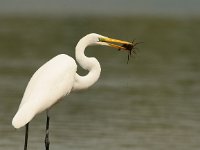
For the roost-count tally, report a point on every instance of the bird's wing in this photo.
(51, 81)
(48, 84)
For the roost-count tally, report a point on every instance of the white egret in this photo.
(58, 77)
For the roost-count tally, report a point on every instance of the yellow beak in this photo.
(125, 45)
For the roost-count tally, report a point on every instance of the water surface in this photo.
(150, 104)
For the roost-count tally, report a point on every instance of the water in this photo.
(151, 103)
(183, 8)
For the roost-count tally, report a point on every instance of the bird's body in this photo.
(48, 84)
(57, 78)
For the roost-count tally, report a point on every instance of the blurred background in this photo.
(150, 104)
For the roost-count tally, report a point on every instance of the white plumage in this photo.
(49, 83)
(58, 77)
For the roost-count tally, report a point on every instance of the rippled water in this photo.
(151, 103)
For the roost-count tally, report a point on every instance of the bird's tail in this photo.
(23, 116)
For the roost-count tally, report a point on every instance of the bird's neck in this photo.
(88, 63)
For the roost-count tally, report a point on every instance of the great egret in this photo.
(58, 77)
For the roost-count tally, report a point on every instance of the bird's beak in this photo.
(124, 45)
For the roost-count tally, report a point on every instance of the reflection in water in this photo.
(151, 103)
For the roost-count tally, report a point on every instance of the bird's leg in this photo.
(26, 137)
(47, 133)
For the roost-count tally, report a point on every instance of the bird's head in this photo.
(97, 39)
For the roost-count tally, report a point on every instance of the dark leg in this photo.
(47, 133)
(26, 137)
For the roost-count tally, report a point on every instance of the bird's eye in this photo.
(100, 39)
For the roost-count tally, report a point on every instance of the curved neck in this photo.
(88, 63)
